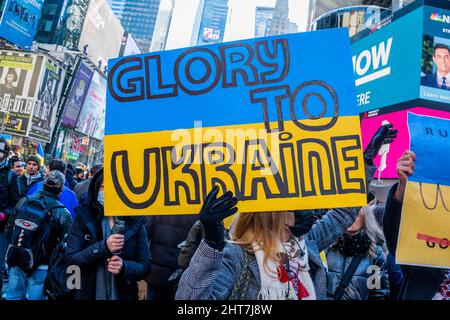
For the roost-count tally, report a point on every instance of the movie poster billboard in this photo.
(19, 83)
(46, 105)
(77, 96)
(435, 80)
(19, 21)
(91, 121)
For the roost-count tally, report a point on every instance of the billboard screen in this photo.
(47, 102)
(77, 96)
(19, 21)
(399, 119)
(387, 64)
(435, 80)
(92, 117)
(19, 85)
(102, 32)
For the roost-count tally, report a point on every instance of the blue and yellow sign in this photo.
(272, 119)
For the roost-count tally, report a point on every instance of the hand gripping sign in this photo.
(425, 224)
(272, 119)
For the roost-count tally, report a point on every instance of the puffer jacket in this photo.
(358, 288)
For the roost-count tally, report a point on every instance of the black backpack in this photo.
(55, 285)
(30, 230)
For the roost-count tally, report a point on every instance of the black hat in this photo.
(35, 159)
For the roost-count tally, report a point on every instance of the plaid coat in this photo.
(213, 274)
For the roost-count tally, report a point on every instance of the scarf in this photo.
(31, 179)
(106, 286)
(355, 245)
(290, 280)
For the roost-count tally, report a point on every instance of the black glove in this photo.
(212, 214)
(385, 134)
(304, 220)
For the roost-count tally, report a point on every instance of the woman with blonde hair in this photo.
(357, 268)
(271, 255)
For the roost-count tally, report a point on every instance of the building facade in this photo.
(138, 17)
(213, 22)
(263, 21)
(280, 22)
(162, 25)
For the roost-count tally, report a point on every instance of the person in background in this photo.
(70, 179)
(26, 281)
(419, 283)
(352, 259)
(9, 196)
(164, 234)
(81, 189)
(67, 196)
(112, 260)
(31, 176)
(16, 165)
(79, 175)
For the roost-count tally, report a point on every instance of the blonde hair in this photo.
(372, 229)
(262, 228)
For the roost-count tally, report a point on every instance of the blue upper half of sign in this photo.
(309, 75)
(430, 141)
(20, 20)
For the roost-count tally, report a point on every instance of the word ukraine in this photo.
(279, 127)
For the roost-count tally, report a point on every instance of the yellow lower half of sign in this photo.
(171, 172)
(425, 226)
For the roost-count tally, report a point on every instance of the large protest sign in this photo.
(272, 119)
(425, 224)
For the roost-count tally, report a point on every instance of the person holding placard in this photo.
(274, 255)
(419, 283)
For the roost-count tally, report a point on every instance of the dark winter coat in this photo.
(357, 289)
(87, 249)
(70, 180)
(165, 233)
(9, 193)
(419, 283)
(194, 237)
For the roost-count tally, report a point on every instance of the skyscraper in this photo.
(280, 22)
(263, 20)
(162, 25)
(213, 21)
(138, 17)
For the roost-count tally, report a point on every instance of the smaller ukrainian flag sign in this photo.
(40, 154)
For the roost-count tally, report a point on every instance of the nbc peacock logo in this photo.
(435, 16)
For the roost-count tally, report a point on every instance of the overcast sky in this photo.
(241, 22)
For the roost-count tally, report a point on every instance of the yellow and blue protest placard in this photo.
(425, 224)
(272, 119)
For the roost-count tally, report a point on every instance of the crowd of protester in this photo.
(52, 219)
